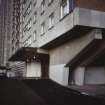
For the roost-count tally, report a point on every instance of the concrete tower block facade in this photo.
(66, 31)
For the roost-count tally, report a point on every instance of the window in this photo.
(29, 24)
(35, 15)
(42, 7)
(25, 43)
(24, 3)
(42, 28)
(64, 8)
(13, 49)
(29, 41)
(34, 35)
(35, 3)
(50, 2)
(23, 6)
(29, 8)
(51, 20)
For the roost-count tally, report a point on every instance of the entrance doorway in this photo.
(34, 69)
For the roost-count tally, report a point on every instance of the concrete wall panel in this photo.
(95, 75)
(79, 76)
(59, 74)
(65, 52)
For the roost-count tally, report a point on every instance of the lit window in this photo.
(42, 28)
(51, 20)
(34, 35)
(42, 6)
(64, 8)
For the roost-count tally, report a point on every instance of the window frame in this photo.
(29, 41)
(42, 28)
(29, 24)
(35, 3)
(50, 2)
(51, 20)
(34, 35)
(35, 17)
(42, 7)
(70, 4)
(64, 5)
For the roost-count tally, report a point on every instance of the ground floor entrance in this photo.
(36, 62)
(33, 69)
(87, 76)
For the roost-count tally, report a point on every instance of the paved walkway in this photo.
(41, 92)
(96, 90)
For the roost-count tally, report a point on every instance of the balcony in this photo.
(30, 53)
(77, 23)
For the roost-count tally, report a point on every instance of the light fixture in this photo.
(34, 57)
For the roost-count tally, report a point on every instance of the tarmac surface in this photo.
(94, 90)
(42, 92)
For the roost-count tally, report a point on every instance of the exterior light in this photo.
(34, 57)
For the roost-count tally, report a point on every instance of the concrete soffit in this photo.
(92, 55)
(28, 53)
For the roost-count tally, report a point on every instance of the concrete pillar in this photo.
(79, 76)
(98, 33)
(59, 74)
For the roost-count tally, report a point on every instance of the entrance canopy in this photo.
(27, 54)
(92, 55)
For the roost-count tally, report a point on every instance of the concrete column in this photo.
(59, 74)
(79, 75)
(98, 33)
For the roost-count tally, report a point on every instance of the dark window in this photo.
(66, 7)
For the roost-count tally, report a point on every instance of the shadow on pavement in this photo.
(42, 92)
